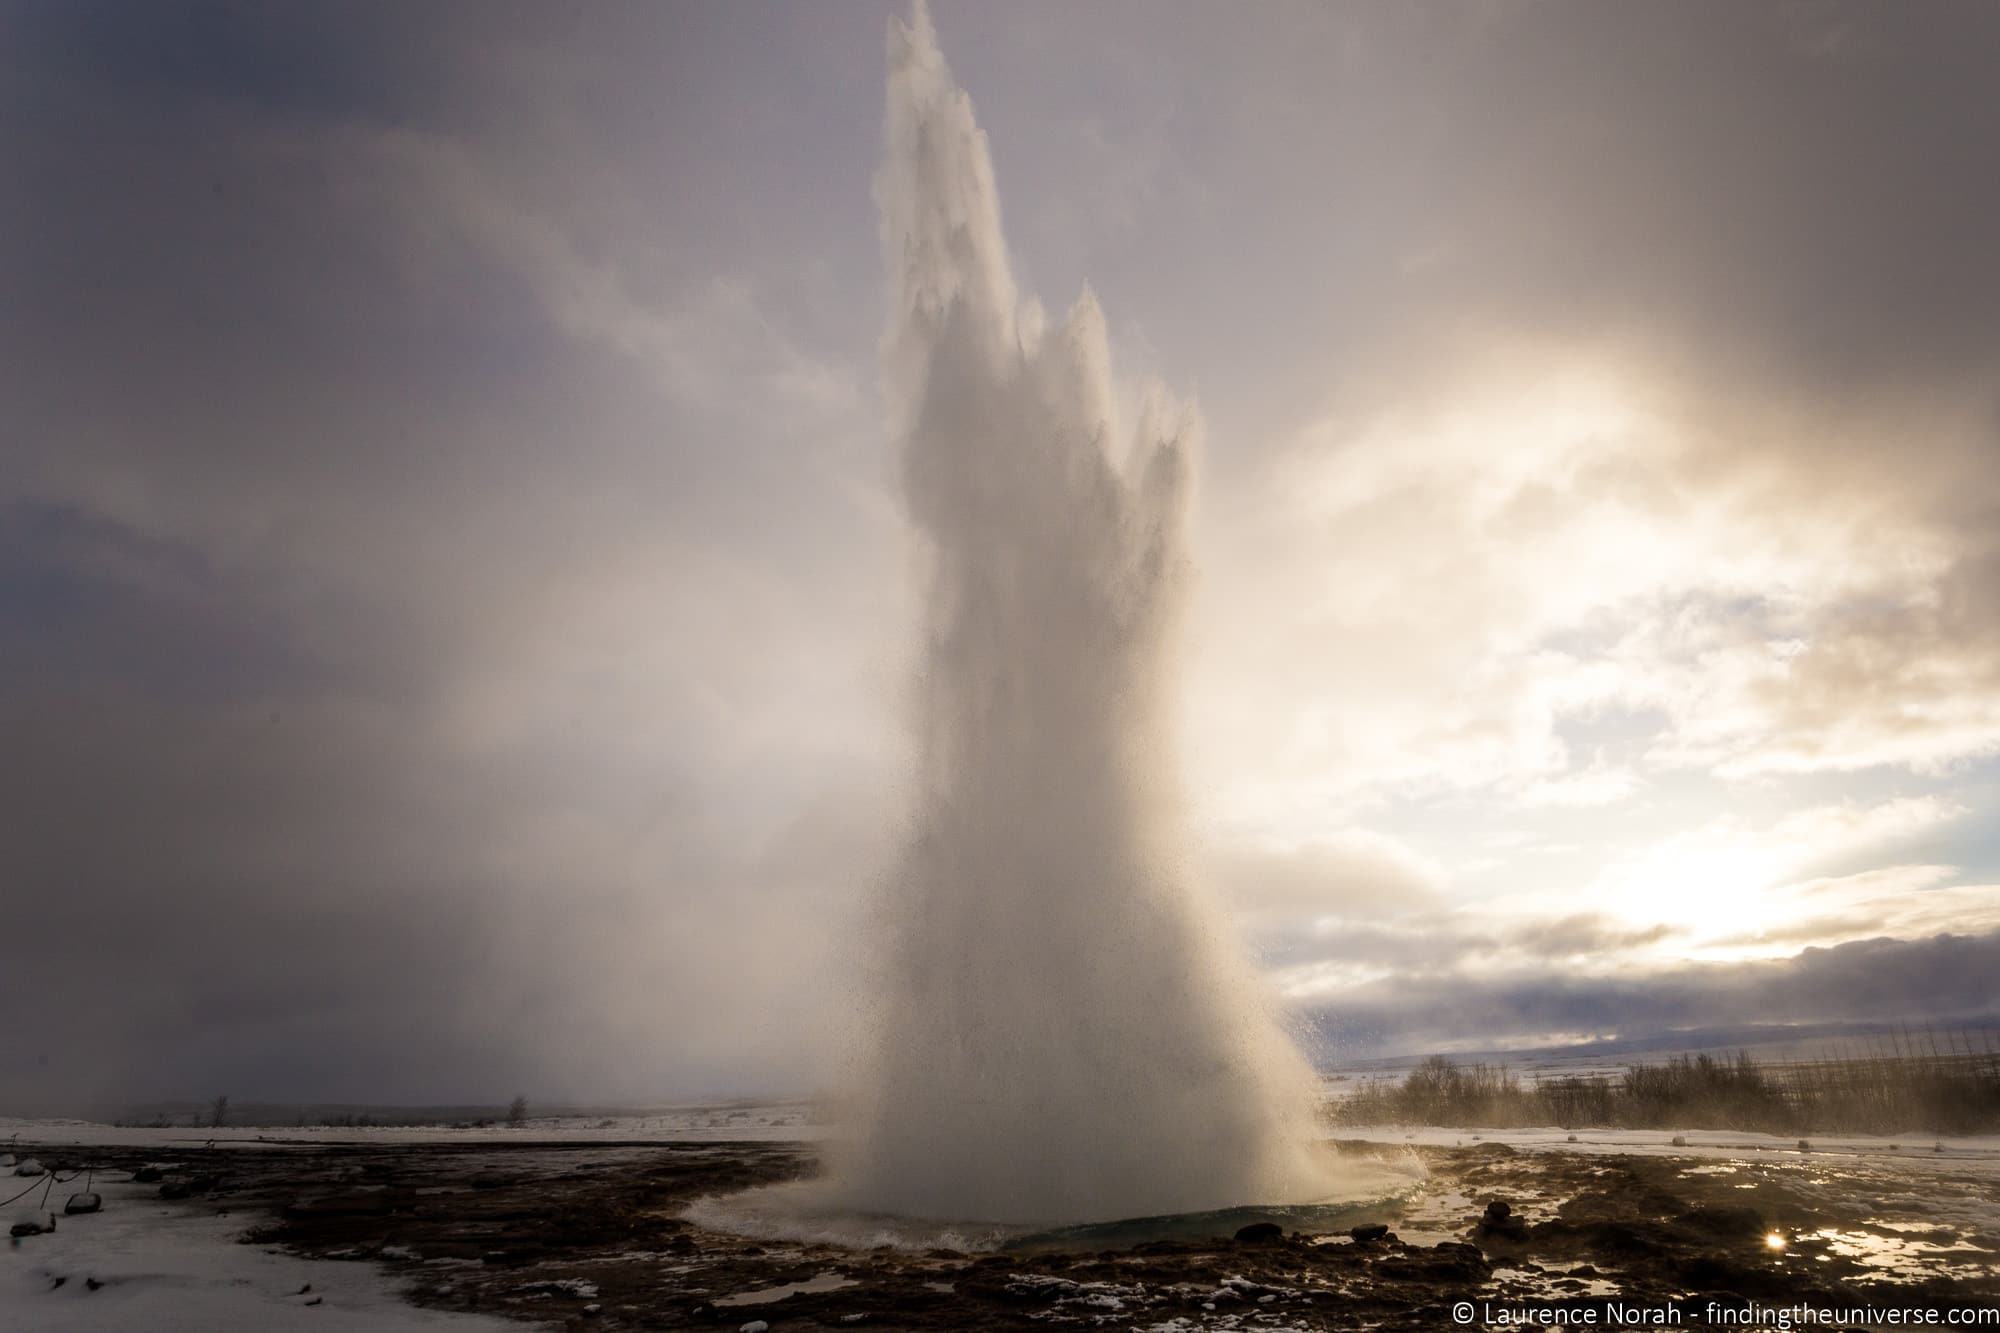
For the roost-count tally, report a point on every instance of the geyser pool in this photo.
(1065, 1032)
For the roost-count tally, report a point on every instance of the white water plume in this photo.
(1068, 1031)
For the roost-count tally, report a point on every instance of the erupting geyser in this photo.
(1066, 1032)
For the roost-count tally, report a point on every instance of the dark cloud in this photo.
(1942, 978)
(1433, 944)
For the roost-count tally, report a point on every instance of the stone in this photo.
(1372, 1231)
(1260, 1233)
(1499, 1222)
(87, 1202)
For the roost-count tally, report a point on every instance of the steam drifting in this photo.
(1066, 1033)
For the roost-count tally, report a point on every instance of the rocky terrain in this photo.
(591, 1236)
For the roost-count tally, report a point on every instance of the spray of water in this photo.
(1066, 1032)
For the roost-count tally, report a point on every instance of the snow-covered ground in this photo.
(1978, 1154)
(681, 1124)
(163, 1268)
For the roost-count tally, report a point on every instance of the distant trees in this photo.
(1955, 1091)
(517, 1112)
(218, 1113)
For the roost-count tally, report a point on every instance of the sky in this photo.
(456, 610)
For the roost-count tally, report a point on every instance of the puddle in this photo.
(828, 1281)
(1909, 1250)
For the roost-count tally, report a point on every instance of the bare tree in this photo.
(218, 1113)
(517, 1111)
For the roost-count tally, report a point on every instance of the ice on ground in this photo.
(165, 1269)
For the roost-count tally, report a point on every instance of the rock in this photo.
(1805, 1145)
(92, 1283)
(1260, 1233)
(30, 1167)
(1499, 1222)
(88, 1202)
(192, 1185)
(20, 1229)
(754, 1326)
(1373, 1231)
(7, 1159)
(147, 1175)
(1680, 1140)
(1572, 1138)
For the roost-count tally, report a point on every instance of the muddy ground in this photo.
(588, 1237)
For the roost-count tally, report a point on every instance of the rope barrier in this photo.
(48, 1181)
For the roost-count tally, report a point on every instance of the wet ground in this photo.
(591, 1236)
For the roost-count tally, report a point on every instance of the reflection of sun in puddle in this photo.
(1431, 1213)
(1905, 1255)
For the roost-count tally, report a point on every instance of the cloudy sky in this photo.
(455, 600)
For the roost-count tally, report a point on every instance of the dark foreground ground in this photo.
(587, 1236)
